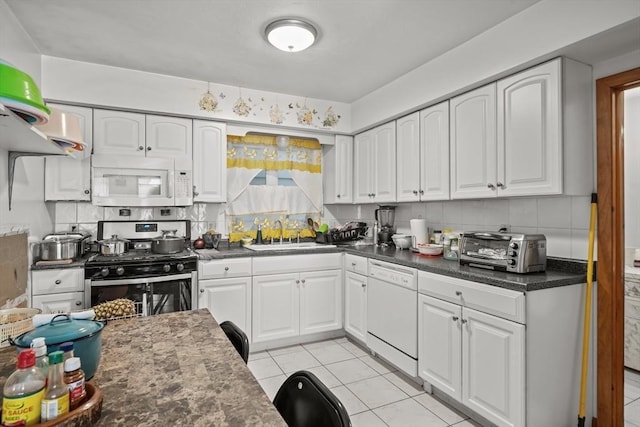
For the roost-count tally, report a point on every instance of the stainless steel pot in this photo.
(168, 243)
(113, 246)
(59, 246)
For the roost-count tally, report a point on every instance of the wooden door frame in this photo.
(610, 271)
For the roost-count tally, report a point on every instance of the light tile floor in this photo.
(374, 393)
(631, 398)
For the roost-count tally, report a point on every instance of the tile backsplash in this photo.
(564, 220)
(84, 216)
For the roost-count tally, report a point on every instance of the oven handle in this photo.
(140, 280)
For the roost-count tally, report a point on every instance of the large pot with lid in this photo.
(59, 246)
(86, 336)
(113, 246)
(168, 243)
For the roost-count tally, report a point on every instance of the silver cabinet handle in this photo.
(464, 320)
(58, 281)
(500, 185)
(459, 293)
(140, 148)
(303, 281)
(86, 191)
(338, 196)
(195, 193)
(78, 302)
(148, 148)
(298, 282)
(491, 186)
(364, 285)
(415, 192)
(202, 291)
(353, 264)
(226, 269)
(455, 318)
(421, 191)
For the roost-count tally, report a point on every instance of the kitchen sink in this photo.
(288, 246)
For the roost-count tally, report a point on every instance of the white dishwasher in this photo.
(392, 314)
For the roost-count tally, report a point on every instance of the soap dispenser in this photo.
(259, 235)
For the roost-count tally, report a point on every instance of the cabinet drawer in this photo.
(59, 303)
(56, 281)
(632, 307)
(355, 264)
(486, 298)
(218, 269)
(296, 263)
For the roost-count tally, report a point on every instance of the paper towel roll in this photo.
(419, 230)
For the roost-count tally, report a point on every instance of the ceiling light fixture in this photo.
(291, 35)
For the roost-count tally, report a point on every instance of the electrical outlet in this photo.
(504, 228)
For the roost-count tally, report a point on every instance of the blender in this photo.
(385, 215)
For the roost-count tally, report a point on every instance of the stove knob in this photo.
(513, 253)
(511, 262)
(166, 268)
(513, 245)
(120, 271)
(104, 272)
(180, 267)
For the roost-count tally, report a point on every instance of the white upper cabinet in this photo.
(134, 134)
(530, 132)
(434, 152)
(118, 132)
(67, 178)
(473, 143)
(375, 165)
(338, 171)
(209, 161)
(169, 137)
(408, 158)
(533, 138)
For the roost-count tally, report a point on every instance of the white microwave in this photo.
(140, 181)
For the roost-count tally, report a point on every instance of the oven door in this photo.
(151, 295)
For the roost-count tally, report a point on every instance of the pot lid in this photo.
(114, 239)
(60, 329)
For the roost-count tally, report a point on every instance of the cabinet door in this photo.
(493, 370)
(530, 132)
(408, 158)
(355, 305)
(58, 280)
(276, 307)
(59, 303)
(209, 161)
(337, 170)
(363, 168)
(434, 152)
(169, 137)
(439, 345)
(68, 178)
(118, 132)
(384, 171)
(228, 299)
(473, 143)
(320, 301)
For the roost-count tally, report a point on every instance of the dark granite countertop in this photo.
(559, 272)
(173, 369)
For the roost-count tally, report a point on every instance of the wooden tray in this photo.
(86, 414)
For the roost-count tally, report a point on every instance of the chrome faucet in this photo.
(277, 221)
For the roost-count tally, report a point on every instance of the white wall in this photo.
(632, 168)
(29, 209)
(617, 65)
(93, 84)
(525, 39)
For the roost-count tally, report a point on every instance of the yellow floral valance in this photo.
(261, 152)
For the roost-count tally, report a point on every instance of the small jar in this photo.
(450, 247)
(74, 378)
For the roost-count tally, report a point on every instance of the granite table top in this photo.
(173, 369)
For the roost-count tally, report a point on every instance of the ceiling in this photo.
(362, 45)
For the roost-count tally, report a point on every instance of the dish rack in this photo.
(349, 232)
(15, 322)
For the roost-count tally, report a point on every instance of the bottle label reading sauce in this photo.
(23, 410)
(53, 408)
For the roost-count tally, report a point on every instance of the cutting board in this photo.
(13, 270)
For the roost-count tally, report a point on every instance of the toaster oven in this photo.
(511, 252)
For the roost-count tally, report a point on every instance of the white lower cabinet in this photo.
(58, 290)
(291, 299)
(225, 290)
(355, 305)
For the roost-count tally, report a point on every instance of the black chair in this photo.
(237, 337)
(304, 401)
